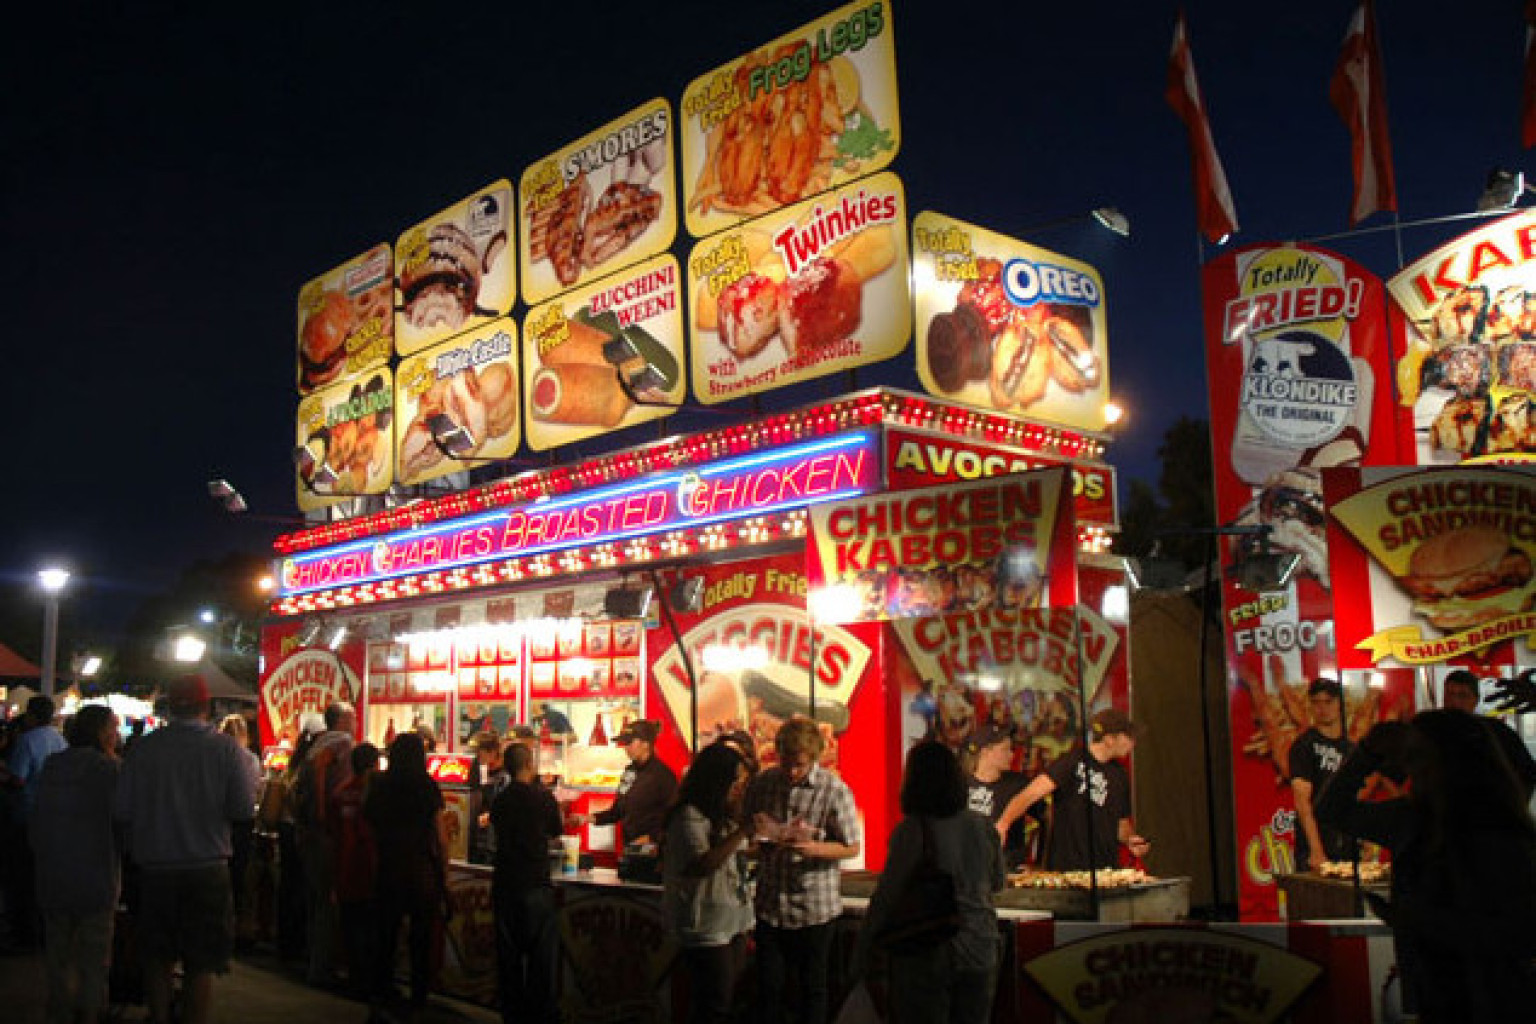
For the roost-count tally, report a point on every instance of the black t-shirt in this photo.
(988, 799)
(1087, 788)
(525, 818)
(1316, 758)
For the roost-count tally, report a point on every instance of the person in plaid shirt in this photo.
(805, 823)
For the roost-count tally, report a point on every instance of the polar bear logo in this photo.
(1277, 358)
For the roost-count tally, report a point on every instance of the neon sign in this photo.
(823, 470)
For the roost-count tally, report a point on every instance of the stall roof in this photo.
(14, 666)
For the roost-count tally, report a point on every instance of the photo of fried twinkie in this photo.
(820, 304)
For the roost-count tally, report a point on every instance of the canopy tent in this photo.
(221, 685)
(14, 666)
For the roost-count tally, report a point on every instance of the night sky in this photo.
(168, 184)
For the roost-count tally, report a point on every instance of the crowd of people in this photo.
(748, 858)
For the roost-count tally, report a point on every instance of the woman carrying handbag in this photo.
(939, 935)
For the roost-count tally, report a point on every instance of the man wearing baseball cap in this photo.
(1091, 817)
(990, 785)
(179, 789)
(645, 790)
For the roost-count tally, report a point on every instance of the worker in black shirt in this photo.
(645, 790)
(526, 819)
(1314, 758)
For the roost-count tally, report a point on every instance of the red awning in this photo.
(14, 666)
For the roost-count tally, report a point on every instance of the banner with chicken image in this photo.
(455, 271)
(604, 202)
(1016, 669)
(809, 291)
(605, 356)
(346, 321)
(1442, 563)
(345, 442)
(1004, 543)
(806, 113)
(1466, 379)
(465, 390)
(1297, 357)
(1004, 325)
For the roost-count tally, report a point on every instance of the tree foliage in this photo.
(1182, 502)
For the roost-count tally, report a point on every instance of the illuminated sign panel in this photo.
(823, 470)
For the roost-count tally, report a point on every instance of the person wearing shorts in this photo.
(180, 788)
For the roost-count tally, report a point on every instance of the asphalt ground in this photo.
(258, 990)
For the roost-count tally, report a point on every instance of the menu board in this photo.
(605, 201)
(489, 667)
(343, 444)
(1004, 325)
(605, 356)
(801, 293)
(454, 271)
(467, 390)
(810, 111)
(577, 660)
(1467, 377)
(346, 321)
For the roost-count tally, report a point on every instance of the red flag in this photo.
(1528, 97)
(1213, 199)
(1358, 95)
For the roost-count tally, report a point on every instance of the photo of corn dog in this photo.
(605, 356)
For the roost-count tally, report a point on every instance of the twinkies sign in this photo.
(824, 470)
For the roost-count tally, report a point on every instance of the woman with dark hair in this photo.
(954, 981)
(404, 807)
(1464, 864)
(704, 894)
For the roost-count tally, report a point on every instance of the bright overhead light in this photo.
(90, 666)
(208, 615)
(53, 580)
(1114, 412)
(189, 649)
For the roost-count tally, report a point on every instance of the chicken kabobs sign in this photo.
(1451, 549)
(1006, 326)
(1004, 543)
(810, 111)
(1467, 377)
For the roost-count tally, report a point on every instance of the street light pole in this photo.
(53, 582)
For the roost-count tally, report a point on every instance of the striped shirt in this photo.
(795, 891)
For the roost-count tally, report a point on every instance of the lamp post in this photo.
(53, 582)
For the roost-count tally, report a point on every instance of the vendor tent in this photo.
(222, 686)
(14, 666)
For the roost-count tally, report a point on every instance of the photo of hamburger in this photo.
(1464, 577)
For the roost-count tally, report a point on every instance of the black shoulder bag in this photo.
(926, 914)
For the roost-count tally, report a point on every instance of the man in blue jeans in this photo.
(525, 818)
(804, 823)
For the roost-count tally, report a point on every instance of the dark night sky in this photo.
(167, 185)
